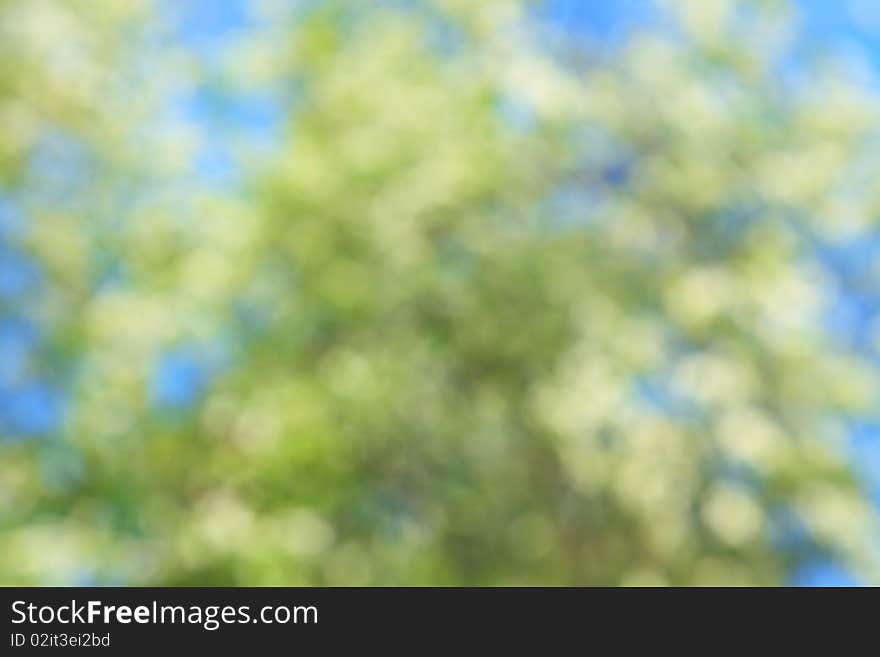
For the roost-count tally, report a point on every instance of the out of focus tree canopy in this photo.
(495, 308)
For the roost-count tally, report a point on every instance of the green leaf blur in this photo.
(494, 309)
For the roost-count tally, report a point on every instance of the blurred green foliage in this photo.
(493, 312)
